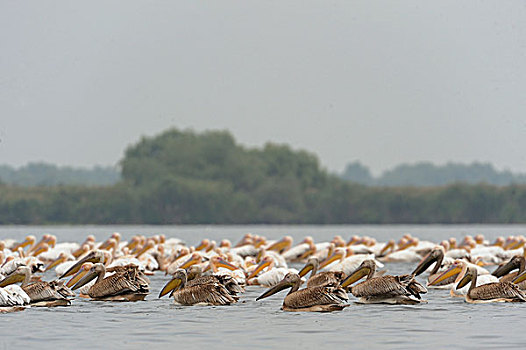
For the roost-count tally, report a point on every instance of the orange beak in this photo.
(264, 263)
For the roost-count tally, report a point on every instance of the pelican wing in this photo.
(212, 294)
(497, 290)
(319, 295)
(326, 277)
(119, 283)
(380, 286)
(42, 291)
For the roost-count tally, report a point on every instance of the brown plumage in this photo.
(194, 277)
(319, 298)
(202, 290)
(385, 289)
(320, 278)
(491, 292)
(124, 284)
(47, 291)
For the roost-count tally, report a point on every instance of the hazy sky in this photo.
(383, 82)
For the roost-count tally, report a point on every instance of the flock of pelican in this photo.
(218, 274)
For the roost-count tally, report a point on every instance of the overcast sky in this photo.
(383, 82)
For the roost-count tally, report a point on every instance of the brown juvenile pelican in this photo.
(192, 293)
(319, 298)
(384, 289)
(491, 292)
(320, 278)
(125, 284)
(41, 293)
(504, 271)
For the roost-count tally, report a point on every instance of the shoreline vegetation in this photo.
(182, 177)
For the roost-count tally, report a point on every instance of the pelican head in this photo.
(203, 245)
(84, 269)
(479, 239)
(354, 240)
(96, 270)
(149, 245)
(289, 281)
(515, 263)
(95, 256)
(312, 264)
(21, 274)
(467, 277)
(389, 246)
(435, 255)
(282, 245)
(28, 241)
(338, 254)
(225, 243)
(499, 242)
(195, 258)
(216, 262)
(178, 281)
(267, 261)
(458, 268)
(366, 268)
(62, 257)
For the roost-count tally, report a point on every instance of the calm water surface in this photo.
(443, 322)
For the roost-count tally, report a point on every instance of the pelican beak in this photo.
(259, 242)
(55, 262)
(305, 270)
(516, 245)
(132, 244)
(424, 264)
(192, 261)
(452, 271)
(201, 246)
(11, 279)
(337, 255)
(105, 244)
(465, 280)
(88, 277)
(42, 248)
(73, 269)
(264, 263)
(223, 263)
(81, 273)
(389, 245)
(308, 253)
(277, 288)
(281, 245)
(519, 278)
(25, 243)
(143, 250)
(77, 253)
(170, 287)
(355, 276)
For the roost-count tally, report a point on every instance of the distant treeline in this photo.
(181, 177)
(427, 174)
(44, 174)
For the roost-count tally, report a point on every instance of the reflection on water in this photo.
(442, 322)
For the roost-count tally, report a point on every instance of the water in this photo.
(443, 322)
